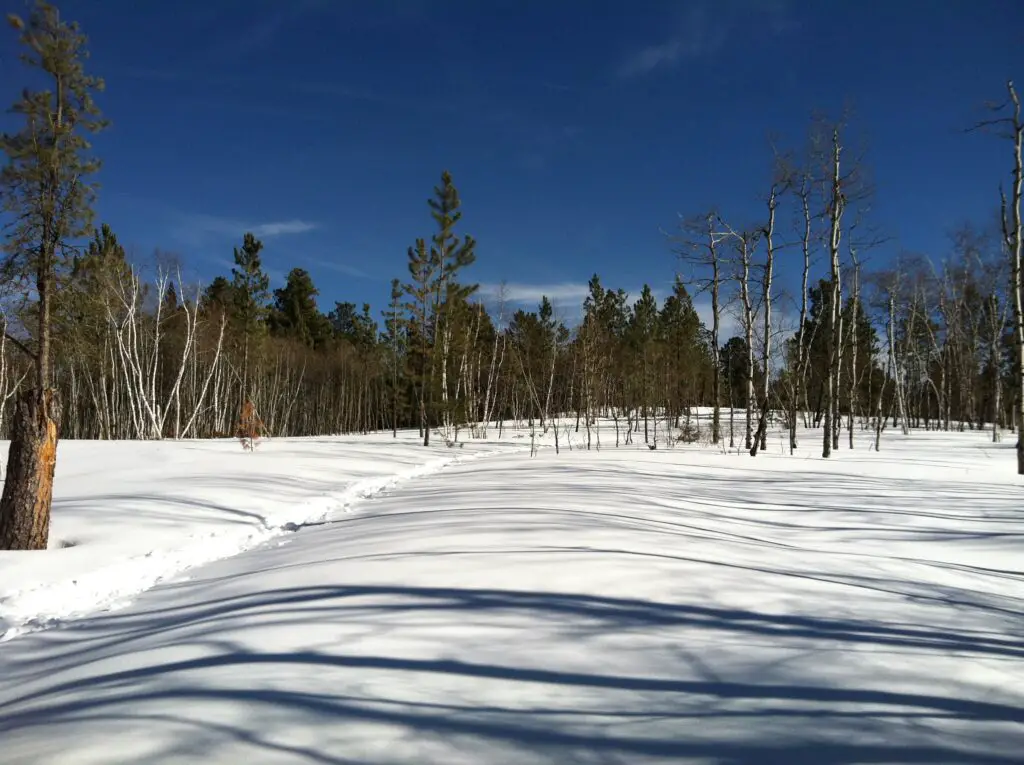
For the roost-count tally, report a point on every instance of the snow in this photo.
(128, 514)
(480, 605)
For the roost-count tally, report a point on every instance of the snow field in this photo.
(128, 514)
(608, 607)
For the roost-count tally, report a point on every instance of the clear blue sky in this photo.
(574, 129)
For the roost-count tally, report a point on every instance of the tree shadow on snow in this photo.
(666, 716)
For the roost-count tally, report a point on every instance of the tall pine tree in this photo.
(46, 189)
(449, 254)
(251, 291)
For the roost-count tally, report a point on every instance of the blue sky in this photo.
(575, 129)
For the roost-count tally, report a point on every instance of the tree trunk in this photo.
(1013, 236)
(836, 204)
(28, 488)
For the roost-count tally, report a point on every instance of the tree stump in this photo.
(28, 488)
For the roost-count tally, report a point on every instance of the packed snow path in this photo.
(614, 607)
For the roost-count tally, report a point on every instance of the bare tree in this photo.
(746, 243)
(697, 248)
(761, 437)
(1013, 126)
(804, 191)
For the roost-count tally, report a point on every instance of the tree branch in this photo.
(20, 346)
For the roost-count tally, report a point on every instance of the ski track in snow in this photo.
(115, 586)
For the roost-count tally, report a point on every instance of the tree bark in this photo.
(28, 487)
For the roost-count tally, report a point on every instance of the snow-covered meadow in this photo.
(366, 600)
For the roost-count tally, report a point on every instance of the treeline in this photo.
(919, 344)
(922, 343)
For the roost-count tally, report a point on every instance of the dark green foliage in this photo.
(218, 297)
(449, 253)
(735, 359)
(45, 183)
(46, 180)
(295, 315)
(357, 329)
(250, 286)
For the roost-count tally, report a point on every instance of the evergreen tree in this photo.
(218, 297)
(90, 289)
(643, 338)
(250, 292)
(449, 254)
(46, 188)
(295, 314)
(394, 341)
(419, 289)
(686, 355)
(358, 329)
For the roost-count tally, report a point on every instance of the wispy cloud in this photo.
(700, 32)
(530, 294)
(341, 268)
(255, 31)
(281, 228)
(566, 297)
(703, 29)
(200, 226)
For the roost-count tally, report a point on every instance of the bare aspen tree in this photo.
(853, 382)
(496, 361)
(804, 192)
(1013, 242)
(697, 248)
(996, 320)
(859, 239)
(761, 437)
(898, 379)
(1013, 236)
(746, 243)
(836, 207)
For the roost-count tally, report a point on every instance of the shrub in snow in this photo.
(250, 427)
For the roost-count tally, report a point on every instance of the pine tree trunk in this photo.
(28, 488)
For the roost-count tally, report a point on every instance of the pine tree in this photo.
(643, 329)
(419, 289)
(449, 254)
(250, 291)
(295, 313)
(394, 340)
(686, 355)
(45, 186)
(358, 329)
